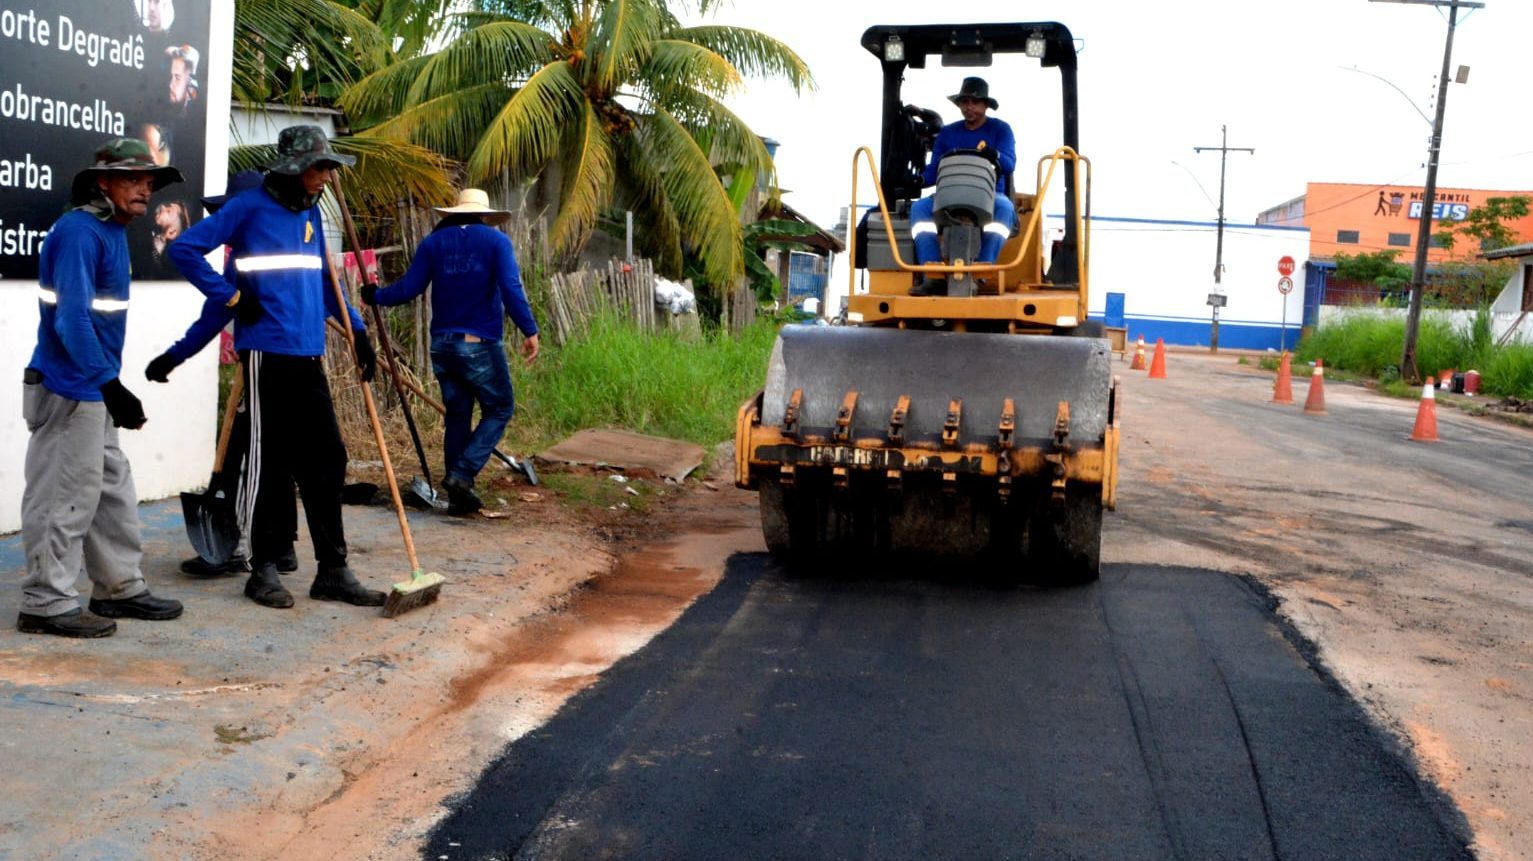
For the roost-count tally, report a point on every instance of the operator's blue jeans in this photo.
(923, 229)
(469, 372)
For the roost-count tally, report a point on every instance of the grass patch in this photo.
(678, 386)
(1370, 346)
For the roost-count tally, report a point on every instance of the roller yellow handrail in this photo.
(1043, 181)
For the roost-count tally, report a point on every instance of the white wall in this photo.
(174, 451)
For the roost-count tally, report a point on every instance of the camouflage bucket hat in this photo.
(121, 154)
(301, 147)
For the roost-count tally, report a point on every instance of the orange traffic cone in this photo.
(1315, 402)
(1138, 363)
(1158, 364)
(1282, 390)
(1426, 415)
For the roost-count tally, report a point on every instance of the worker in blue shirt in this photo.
(976, 131)
(280, 299)
(80, 508)
(215, 317)
(471, 268)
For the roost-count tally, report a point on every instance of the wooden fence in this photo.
(575, 298)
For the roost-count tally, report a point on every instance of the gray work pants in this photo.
(79, 507)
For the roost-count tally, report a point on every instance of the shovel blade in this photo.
(423, 495)
(211, 526)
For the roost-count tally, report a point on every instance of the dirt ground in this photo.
(323, 733)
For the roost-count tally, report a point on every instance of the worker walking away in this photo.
(80, 508)
(975, 132)
(215, 316)
(471, 268)
(280, 300)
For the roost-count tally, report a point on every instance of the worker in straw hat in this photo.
(80, 508)
(280, 300)
(475, 282)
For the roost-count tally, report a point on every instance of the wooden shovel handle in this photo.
(236, 389)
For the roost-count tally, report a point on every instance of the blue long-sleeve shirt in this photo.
(475, 283)
(214, 316)
(995, 133)
(279, 256)
(83, 276)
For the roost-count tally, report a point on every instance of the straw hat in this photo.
(474, 201)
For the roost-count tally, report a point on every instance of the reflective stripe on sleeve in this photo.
(276, 262)
(49, 297)
(998, 229)
(921, 227)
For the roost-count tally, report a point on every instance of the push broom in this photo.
(422, 588)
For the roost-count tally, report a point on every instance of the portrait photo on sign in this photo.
(181, 65)
(157, 16)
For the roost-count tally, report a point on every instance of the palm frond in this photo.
(497, 51)
(752, 52)
(277, 38)
(588, 173)
(382, 93)
(708, 222)
(450, 124)
(522, 136)
(659, 233)
(621, 43)
(678, 66)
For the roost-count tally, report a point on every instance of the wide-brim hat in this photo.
(974, 88)
(243, 181)
(474, 201)
(127, 155)
(301, 147)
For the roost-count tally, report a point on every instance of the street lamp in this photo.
(1408, 369)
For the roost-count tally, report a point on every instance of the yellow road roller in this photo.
(978, 424)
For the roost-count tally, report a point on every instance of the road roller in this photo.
(975, 424)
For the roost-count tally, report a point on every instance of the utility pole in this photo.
(1216, 299)
(1408, 370)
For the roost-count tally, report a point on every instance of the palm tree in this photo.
(612, 101)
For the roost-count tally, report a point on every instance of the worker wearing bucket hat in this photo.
(975, 132)
(277, 242)
(475, 283)
(80, 504)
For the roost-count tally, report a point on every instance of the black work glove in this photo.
(370, 293)
(248, 308)
(367, 360)
(126, 410)
(159, 369)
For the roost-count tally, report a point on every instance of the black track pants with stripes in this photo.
(293, 438)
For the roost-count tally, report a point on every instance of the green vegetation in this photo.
(598, 490)
(1370, 345)
(666, 384)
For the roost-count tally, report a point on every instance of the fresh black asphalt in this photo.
(1159, 714)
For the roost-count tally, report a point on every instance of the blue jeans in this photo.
(923, 229)
(469, 372)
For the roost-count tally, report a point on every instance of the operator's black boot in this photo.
(929, 286)
(340, 584)
(265, 587)
(461, 498)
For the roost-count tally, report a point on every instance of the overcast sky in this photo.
(1158, 79)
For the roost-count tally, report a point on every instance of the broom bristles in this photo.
(418, 591)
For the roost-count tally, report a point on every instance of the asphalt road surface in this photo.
(1162, 713)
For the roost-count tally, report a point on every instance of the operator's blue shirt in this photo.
(279, 256)
(475, 282)
(996, 135)
(83, 276)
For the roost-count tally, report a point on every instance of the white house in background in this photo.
(1512, 312)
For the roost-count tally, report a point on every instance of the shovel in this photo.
(211, 523)
(420, 489)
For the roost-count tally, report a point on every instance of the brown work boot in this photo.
(75, 623)
(340, 584)
(265, 587)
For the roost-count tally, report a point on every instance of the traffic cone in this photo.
(1315, 402)
(1158, 364)
(1282, 390)
(1138, 363)
(1426, 415)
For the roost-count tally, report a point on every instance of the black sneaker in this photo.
(76, 623)
(461, 498)
(340, 584)
(198, 567)
(140, 606)
(265, 588)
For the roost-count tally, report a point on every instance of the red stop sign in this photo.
(1285, 266)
